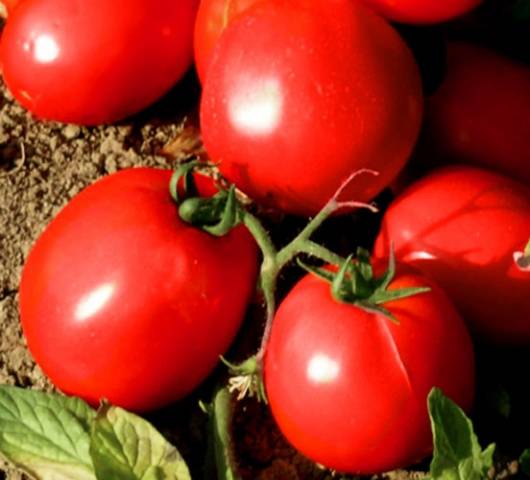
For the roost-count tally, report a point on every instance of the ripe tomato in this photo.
(300, 94)
(481, 114)
(98, 61)
(348, 388)
(212, 18)
(462, 226)
(422, 11)
(122, 300)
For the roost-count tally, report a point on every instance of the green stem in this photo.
(318, 251)
(274, 261)
(204, 212)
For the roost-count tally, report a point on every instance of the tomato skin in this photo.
(301, 94)
(461, 226)
(212, 18)
(422, 11)
(348, 388)
(95, 62)
(481, 113)
(121, 300)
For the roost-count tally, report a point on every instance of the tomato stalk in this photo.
(356, 284)
(218, 214)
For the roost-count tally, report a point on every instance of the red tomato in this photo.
(122, 300)
(481, 114)
(95, 61)
(212, 18)
(422, 11)
(462, 226)
(300, 94)
(348, 388)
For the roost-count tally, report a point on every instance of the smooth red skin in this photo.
(212, 18)
(341, 91)
(114, 57)
(461, 226)
(481, 113)
(372, 416)
(179, 294)
(422, 11)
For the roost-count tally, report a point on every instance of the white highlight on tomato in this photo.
(256, 108)
(322, 369)
(420, 255)
(94, 301)
(45, 49)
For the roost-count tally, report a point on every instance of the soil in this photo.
(44, 164)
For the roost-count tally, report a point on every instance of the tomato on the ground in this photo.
(481, 113)
(212, 18)
(348, 388)
(299, 95)
(422, 11)
(96, 61)
(121, 300)
(462, 226)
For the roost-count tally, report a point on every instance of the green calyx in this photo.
(216, 215)
(355, 283)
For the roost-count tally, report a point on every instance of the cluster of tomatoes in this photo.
(122, 299)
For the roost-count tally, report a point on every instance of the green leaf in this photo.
(524, 461)
(128, 447)
(457, 453)
(220, 427)
(46, 435)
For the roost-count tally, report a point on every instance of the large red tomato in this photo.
(422, 11)
(348, 387)
(462, 226)
(122, 300)
(301, 94)
(98, 61)
(481, 113)
(212, 18)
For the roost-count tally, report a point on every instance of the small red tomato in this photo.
(422, 11)
(95, 61)
(348, 388)
(212, 18)
(462, 227)
(120, 299)
(481, 113)
(301, 94)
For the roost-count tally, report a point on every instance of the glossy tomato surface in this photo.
(481, 113)
(301, 94)
(422, 11)
(348, 388)
(121, 300)
(462, 226)
(98, 61)
(212, 18)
